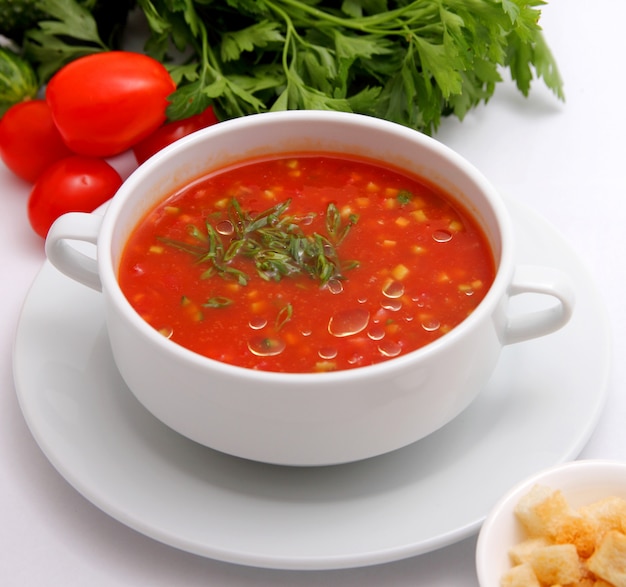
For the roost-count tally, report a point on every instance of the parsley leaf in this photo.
(258, 35)
(69, 31)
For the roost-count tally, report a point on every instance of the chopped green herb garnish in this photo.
(218, 302)
(336, 231)
(284, 315)
(274, 241)
(404, 197)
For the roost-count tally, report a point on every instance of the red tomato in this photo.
(104, 103)
(171, 132)
(73, 184)
(29, 140)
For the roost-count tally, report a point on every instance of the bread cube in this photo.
(520, 576)
(609, 560)
(556, 564)
(578, 530)
(521, 552)
(542, 511)
(608, 514)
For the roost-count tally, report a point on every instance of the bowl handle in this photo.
(539, 280)
(65, 256)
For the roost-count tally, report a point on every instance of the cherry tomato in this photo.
(29, 140)
(104, 103)
(171, 132)
(73, 184)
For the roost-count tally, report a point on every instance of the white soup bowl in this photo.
(308, 418)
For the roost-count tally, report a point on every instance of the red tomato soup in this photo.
(306, 263)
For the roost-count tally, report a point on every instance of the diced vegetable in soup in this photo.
(306, 263)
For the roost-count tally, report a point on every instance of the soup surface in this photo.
(306, 263)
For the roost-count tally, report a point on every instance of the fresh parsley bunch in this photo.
(411, 62)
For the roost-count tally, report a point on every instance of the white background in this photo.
(567, 161)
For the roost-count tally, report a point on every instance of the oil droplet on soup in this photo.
(327, 353)
(257, 323)
(376, 332)
(335, 286)
(348, 322)
(225, 227)
(266, 347)
(307, 262)
(430, 324)
(442, 236)
(394, 289)
(389, 348)
(393, 305)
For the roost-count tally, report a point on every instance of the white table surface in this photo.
(566, 161)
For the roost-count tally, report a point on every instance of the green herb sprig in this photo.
(273, 240)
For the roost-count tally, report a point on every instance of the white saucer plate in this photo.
(539, 409)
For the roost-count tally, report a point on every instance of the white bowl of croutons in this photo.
(563, 526)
